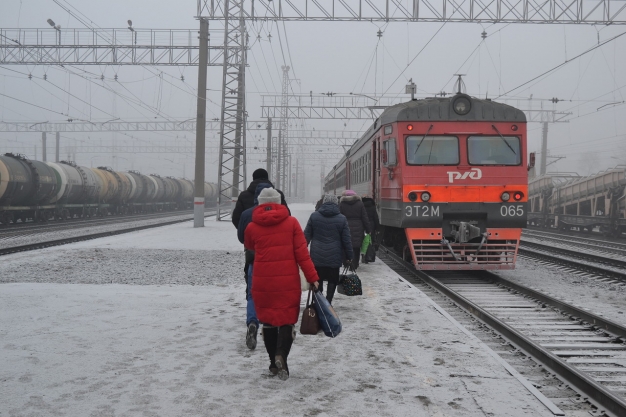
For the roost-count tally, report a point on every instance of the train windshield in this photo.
(494, 150)
(432, 150)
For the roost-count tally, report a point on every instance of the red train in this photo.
(450, 180)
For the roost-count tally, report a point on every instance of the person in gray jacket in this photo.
(329, 235)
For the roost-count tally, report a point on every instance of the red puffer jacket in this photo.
(279, 246)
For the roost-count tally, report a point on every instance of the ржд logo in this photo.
(473, 174)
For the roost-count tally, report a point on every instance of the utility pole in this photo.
(198, 200)
(43, 147)
(58, 144)
(268, 151)
(279, 148)
(240, 130)
(283, 134)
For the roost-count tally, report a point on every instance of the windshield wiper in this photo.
(423, 137)
(504, 140)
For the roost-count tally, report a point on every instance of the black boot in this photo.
(286, 334)
(330, 292)
(270, 338)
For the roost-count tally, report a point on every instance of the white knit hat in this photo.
(330, 198)
(269, 195)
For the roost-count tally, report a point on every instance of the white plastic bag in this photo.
(304, 284)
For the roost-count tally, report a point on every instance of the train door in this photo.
(376, 170)
(348, 179)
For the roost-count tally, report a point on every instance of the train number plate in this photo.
(512, 210)
(419, 210)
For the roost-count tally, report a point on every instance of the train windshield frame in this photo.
(432, 150)
(494, 150)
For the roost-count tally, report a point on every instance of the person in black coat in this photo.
(246, 198)
(329, 235)
(352, 207)
(372, 215)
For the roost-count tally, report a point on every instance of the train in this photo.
(42, 191)
(584, 204)
(449, 176)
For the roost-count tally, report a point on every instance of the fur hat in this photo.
(348, 192)
(259, 173)
(330, 198)
(269, 195)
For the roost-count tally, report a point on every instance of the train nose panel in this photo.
(431, 251)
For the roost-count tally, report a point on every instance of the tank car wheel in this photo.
(6, 219)
(23, 219)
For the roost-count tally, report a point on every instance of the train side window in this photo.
(432, 150)
(494, 150)
(389, 153)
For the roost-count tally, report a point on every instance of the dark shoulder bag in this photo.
(310, 322)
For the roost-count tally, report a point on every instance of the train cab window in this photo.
(494, 150)
(432, 150)
(389, 155)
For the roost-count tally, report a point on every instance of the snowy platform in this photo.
(173, 343)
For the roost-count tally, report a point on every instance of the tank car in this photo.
(450, 180)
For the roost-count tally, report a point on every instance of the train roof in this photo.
(442, 109)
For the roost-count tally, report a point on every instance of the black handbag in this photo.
(310, 323)
(349, 283)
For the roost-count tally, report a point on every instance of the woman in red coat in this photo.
(279, 248)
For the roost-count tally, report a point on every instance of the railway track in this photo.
(90, 236)
(30, 229)
(598, 246)
(580, 357)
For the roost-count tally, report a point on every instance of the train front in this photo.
(461, 175)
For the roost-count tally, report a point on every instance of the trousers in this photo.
(330, 275)
(250, 310)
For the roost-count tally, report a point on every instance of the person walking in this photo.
(252, 323)
(245, 201)
(279, 248)
(329, 235)
(352, 207)
(246, 198)
(372, 216)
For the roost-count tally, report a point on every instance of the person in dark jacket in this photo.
(319, 203)
(329, 235)
(372, 215)
(280, 247)
(352, 207)
(246, 198)
(252, 323)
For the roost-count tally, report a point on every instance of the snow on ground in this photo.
(174, 350)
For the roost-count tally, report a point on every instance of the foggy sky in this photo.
(339, 57)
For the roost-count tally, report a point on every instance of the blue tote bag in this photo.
(329, 320)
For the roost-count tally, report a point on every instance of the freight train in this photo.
(449, 177)
(42, 191)
(584, 204)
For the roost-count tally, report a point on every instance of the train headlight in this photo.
(505, 196)
(425, 196)
(413, 196)
(517, 196)
(462, 106)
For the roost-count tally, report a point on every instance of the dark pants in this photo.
(356, 258)
(331, 275)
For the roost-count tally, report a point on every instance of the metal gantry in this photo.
(230, 175)
(596, 12)
(163, 47)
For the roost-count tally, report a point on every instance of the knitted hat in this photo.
(259, 173)
(329, 198)
(348, 192)
(269, 195)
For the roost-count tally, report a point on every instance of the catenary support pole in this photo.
(43, 147)
(198, 200)
(58, 144)
(544, 148)
(268, 162)
(278, 159)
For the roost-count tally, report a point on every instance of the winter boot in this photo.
(251, 335)
(270, 338)
(330, 292)
(286, 335)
